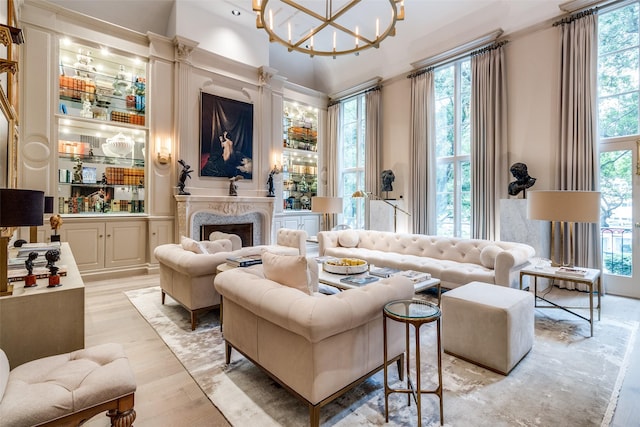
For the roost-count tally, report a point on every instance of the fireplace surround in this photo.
(194, 211)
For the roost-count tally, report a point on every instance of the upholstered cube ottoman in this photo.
(489, 325)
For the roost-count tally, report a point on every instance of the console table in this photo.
(592, 278)
(40, 321)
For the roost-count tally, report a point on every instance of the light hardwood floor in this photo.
(168, 396)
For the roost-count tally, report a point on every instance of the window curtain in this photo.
(489, 170)
(372, 140)
(577, 159)
(422, 193)
(329, 174)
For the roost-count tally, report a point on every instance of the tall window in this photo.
(619, 126)
(352, 158)
(453, 149)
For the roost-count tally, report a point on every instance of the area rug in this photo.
(567, 378)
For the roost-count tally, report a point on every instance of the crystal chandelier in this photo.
(318, 28)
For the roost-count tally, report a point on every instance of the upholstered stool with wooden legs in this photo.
(68, 389)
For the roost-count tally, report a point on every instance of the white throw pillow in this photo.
(220, 245)
(288, 270)
(348, 239)
(191, 245)
(488, 255)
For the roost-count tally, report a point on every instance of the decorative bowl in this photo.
(120, 145)
(345, 266)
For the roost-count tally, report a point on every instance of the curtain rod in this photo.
(353, 95)
(575, 16)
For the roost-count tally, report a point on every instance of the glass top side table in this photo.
(416, 313)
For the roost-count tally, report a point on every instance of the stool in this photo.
(68, 389)
(489, 325)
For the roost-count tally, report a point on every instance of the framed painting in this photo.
(226, 137)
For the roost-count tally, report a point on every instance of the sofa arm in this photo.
(511, 260)
(327, 239)
(188, 263)
(293, 239)
(312, 317)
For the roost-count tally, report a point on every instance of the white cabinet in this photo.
(310, 222)
(160, 232)
(101, 247)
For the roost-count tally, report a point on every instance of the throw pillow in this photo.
(288, 270)
(191, 245)
(348, 238)
(488, 255)
(220, 245)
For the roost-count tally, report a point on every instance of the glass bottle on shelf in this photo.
(113, 84)
(299, 156)
(101, 168)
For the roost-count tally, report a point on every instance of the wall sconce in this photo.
(164, 152)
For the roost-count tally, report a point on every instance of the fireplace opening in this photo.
(245, 231)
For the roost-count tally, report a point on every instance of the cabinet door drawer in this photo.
(126, 243)
(87, 244)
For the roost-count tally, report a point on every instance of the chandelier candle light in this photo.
(308, 29)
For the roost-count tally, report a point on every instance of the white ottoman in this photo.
(489, 325)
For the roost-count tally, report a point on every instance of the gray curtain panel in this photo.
(373, 140)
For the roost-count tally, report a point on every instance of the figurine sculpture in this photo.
(233, 187)
(387, 180)
(56, 223)
(77, 172)
(523, 180)
(30, 279)
(184, 174)
(52, 256)
(273, 172)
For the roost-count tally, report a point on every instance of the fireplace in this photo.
(244, 231)
(195, 211)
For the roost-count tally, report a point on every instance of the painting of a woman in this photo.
(226, 137)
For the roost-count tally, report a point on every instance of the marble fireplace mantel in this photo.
(193, 210)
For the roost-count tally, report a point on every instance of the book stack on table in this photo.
(244, 261)
(384, 272)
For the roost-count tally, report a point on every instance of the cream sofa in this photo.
(454, 261)
(187, 276)
(317, 347)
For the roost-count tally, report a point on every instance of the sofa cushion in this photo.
(191, 245)
(349, 239)
(288, 270)
(488, 255)
(221, 245)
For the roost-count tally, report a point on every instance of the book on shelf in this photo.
(358, 280)
(415, 276)
(18, 275)
(244, 261)
(383, 271)
(571, 271)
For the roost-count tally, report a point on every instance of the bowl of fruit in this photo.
(345, 266)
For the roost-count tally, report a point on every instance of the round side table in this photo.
(416, 313)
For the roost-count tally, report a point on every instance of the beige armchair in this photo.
(293, 239)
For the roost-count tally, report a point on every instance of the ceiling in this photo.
(430, 27)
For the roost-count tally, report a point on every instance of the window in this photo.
(452, 87)
(619, 126)
(352, 159)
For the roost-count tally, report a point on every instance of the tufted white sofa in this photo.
(318, 347)
(187, 276)
(455, 261)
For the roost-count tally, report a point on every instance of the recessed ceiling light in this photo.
(235, 12)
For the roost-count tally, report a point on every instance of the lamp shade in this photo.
(330, 205)
(48, 204)
(21, 207)
(566, 206)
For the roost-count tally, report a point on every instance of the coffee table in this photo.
(334, 280)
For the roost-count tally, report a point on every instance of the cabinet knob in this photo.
(108, 235)
(154, 233)
(100, 236)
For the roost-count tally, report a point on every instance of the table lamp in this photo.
(48, 209)
(563, 207)
(18, 208)
(326, 206)
(396, 208)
